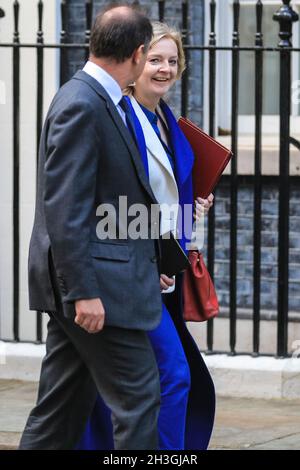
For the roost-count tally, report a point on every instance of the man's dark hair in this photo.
(117, 33)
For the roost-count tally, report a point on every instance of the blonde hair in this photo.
(160, 31)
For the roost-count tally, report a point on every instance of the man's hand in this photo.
(90, 314)
(166, 282)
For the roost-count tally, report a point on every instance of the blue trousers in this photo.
(175, 386)
(175, 383)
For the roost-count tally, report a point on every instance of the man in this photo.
(102, 295)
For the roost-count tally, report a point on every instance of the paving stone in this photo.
(240, 423)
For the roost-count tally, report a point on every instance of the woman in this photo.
(187, 392)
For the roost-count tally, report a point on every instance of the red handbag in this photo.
(200, 298)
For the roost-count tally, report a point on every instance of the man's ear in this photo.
(139, 54)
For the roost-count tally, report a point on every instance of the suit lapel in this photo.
(153, 143)
(125, 133)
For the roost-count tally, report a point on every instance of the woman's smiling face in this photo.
(160, 71)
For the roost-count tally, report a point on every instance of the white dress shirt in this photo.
(110, 85)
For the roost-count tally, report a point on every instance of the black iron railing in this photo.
(285, 17)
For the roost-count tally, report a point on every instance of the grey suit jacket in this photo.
(87, 157)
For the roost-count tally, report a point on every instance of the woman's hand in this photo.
(202, 206)
(165, 282)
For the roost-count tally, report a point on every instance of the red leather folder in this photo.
(211, 158)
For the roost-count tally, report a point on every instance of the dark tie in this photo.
(129, 120)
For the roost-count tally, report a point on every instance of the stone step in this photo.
(234, 376)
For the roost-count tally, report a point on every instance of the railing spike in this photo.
(286, 16)
(40, 33)
(88, 15)
(16, 21)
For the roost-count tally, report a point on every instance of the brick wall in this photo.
(269, 250)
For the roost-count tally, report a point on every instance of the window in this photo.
(247, 29)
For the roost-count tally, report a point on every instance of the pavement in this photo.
(241, 423)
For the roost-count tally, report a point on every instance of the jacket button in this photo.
(153, 259)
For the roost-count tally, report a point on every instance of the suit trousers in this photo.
(118, 363)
